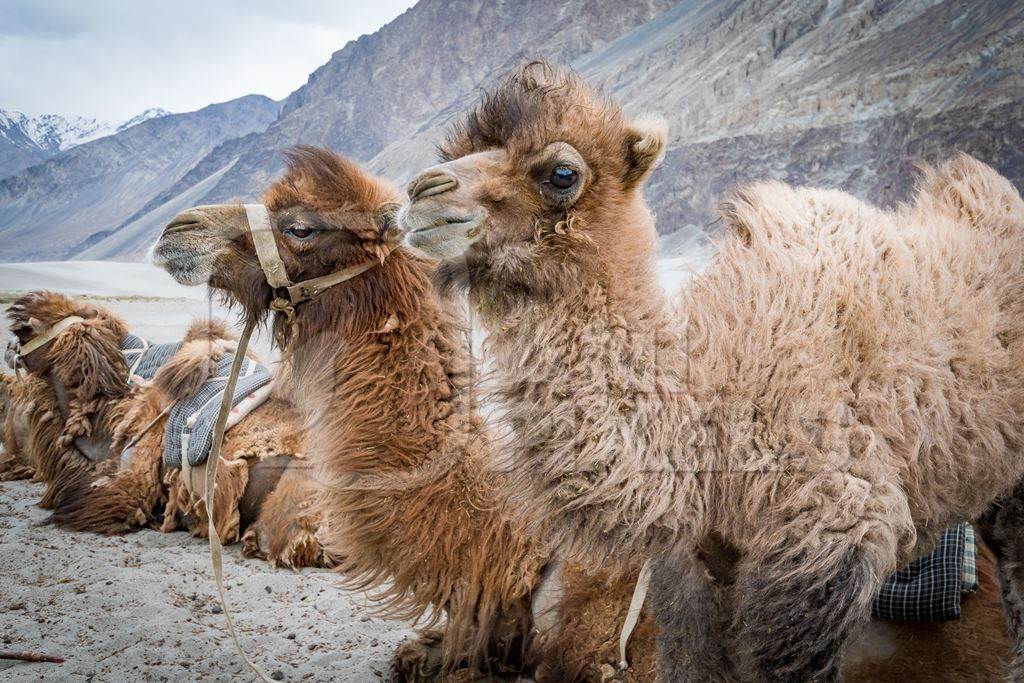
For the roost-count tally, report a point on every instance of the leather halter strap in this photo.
(258, 219)
(48, 336)
(274, 270)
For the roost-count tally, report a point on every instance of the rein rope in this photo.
(216, 548)
(258, 219)
(636, 604)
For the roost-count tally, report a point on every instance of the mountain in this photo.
(848, 94)
(383, 88)
(48, 210)
(26, 140)
(146, 115)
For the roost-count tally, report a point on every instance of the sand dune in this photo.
(95, 278)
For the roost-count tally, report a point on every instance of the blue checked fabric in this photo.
(190, 423)
(930, 587)
(144, 357)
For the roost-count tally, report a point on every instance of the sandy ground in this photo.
(143, 606)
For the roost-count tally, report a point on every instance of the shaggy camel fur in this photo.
(71, 408)
(18, 401)
(840, 385)
(972, 648)
(271, 507)
(383, 372)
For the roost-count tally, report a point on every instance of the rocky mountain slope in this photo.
(847, 93)
(28, 140)
(48, 210)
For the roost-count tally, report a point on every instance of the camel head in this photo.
(85, 356)
(536, 182)
(326, 214)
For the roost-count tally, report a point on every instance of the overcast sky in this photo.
(112, 59)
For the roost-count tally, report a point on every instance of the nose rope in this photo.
(276, 274)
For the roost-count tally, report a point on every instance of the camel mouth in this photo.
(186, 266)
(442, 223)
(414, 220)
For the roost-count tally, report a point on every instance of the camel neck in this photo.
(403, 461)
(374, 353)
(594, 392)
(359, 307)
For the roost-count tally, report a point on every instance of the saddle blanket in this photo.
(930, 587)
(190, 424)
(144, 357)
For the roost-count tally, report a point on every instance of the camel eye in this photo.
(300, 232)
(563, 177)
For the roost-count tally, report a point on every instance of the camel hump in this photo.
(972, 193)
(209, 329)
(206, 342)
(765, 214)
(191, 367)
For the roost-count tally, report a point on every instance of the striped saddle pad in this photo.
(190, 424)
(144, 357)
(930, 587)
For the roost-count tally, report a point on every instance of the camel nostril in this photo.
(430, 184)
(182, 221)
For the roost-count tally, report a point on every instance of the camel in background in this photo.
(22, 400)
(840, 385)
(264, 491)
(62, 414)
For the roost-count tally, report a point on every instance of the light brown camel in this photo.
(265, 489)
(840, 385)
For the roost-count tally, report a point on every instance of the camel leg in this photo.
(285, 530)
(795, 614)
(690, 602)
(117, 503)
(418, 659)
(1002, 528)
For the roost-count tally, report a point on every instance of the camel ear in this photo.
(37, 325)
(645, 148)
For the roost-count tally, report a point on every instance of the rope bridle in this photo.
(276, 274)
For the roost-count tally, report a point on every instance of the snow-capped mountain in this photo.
(27, 140)
(151, 113)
